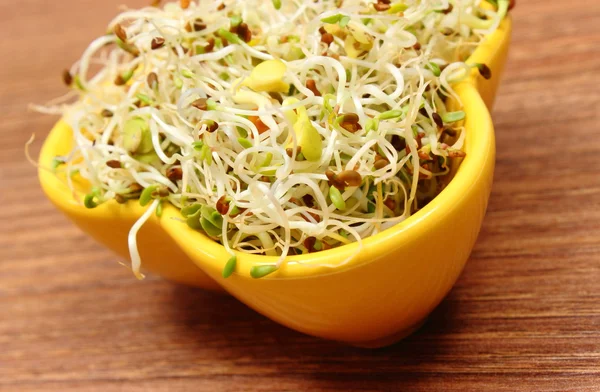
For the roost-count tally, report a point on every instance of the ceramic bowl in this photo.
(382, 295)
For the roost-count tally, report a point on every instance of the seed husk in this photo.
(484, 71)
(222, 205)
(67, 77)
(312, 86)
(327, 38)
(200, 104)
(350, 177)
(309, 244)
(438, 120)
(381, 163)
(157, 43)
(106, 113)
(152, 80)
(381, 7)
(211, 126)
(120, 32)
(243, 31)
(113, 163)
(184, 3)
(120, 199)
(174, 173)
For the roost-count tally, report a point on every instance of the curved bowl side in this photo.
(395, 285)
(110, 222)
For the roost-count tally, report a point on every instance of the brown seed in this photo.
(350, 178)
(157, 43)
(188, 27)
(212, 126)
(335, 181)
(424, 155)
(222, 205)
(210, 45)
(449, 131)
(119, 81)
(390, 203)
(135, 187)
(484, 71)
(174, 173)
(449, 9)
(106, 113)
(321, 30)
(155, 3)
(316, 217)
(312, 86)
(381, 7)
(260, 126)
(398, 143)
(67, 77)
(438, 120)
(350, 118)
(351, 127)
(120, 32)
(381, 163)
(221, 7)
(308, 200)
(244, 32)
(113, 163)
(447, 31)
(330, 175)
(417, 46)
(184, 3)
(163, 191)
(264, 179)
(512, 4)
(120, 199)
(199, 25)
(309, 244)
(200, 104)
(290, 151)
(327, 38)
(152, 80)
(276, 96)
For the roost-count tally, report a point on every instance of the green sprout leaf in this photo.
(229, 267)
(336, 198)
(260, 271)
(451, 117)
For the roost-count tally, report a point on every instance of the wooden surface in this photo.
(524, 316)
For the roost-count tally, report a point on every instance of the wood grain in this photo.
(524, 316)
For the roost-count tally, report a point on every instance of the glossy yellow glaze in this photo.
(388, 289)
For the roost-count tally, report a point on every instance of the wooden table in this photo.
(524, 316)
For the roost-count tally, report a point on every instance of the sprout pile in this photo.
(277, 127)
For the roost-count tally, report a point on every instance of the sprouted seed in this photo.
(276, 127)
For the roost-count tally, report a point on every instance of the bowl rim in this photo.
(209, 254)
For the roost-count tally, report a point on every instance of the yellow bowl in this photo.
(382, 295)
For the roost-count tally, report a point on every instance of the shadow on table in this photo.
(238, 334)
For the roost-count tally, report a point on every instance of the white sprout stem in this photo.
(134, 254)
